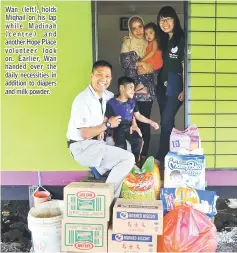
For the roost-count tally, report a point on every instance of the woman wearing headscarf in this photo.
(133, 50)
(170, 88)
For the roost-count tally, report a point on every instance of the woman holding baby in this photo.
(141, 55)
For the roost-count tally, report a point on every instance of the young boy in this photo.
(124, 105)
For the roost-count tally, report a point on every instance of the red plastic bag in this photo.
(187, 230)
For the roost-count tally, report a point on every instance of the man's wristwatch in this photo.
(108, 124)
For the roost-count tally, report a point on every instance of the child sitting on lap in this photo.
(124, 105)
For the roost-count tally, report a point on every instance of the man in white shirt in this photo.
(108, 94)
(86, 127)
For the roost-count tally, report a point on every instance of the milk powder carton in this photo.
(132, 243)
(204, 201)
(138, 216)
(80, 236)
(188, 139)
(88, 200)
(184, 171)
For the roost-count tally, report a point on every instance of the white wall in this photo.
(109, 43)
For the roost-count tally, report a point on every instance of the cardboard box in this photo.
(84, 236)
(87, 200)
(132, 243)
(204, 201)
(138, 216)
(184, 171)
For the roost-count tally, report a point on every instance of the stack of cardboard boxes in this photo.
(86, 216)
(135, 226)
(87, 212)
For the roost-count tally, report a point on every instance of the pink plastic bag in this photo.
(187, 230)
(189, 139)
